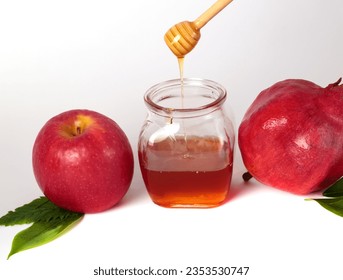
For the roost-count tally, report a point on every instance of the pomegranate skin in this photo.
(291, 136)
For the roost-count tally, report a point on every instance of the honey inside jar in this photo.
(185, 146)
(189, 171)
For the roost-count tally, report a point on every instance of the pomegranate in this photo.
(291, 136)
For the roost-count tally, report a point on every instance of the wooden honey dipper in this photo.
(183, 37)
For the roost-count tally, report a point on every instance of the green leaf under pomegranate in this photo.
(335, 205)
(335, 190)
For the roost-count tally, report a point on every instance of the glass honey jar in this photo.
(186, 144)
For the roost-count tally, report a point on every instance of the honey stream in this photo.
(181, 61)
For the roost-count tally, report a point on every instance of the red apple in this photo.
(83, 161)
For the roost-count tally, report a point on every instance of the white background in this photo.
(103, 55)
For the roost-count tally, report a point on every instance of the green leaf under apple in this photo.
(48, 223)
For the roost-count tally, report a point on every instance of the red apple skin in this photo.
(291, 136)
(83, 161)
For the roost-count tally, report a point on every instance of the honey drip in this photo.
(181, 61)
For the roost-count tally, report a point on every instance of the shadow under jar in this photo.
(186, 144)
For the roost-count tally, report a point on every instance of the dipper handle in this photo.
(210, 13)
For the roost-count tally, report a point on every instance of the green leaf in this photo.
(38, 210)
(335, 205)
(41, 233)
(335, 190)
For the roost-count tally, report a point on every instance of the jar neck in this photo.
(192, 98)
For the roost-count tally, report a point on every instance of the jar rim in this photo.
(187, 82)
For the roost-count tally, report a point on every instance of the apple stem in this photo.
(78, 130)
